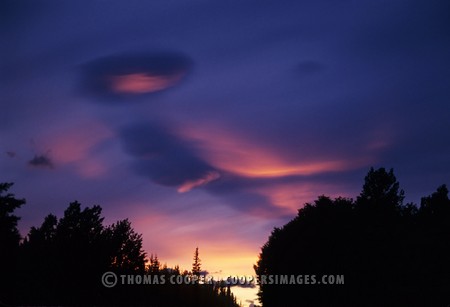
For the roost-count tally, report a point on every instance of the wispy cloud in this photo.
(189, 185)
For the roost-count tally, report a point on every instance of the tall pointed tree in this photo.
(196, 266)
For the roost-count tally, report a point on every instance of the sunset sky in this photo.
(207, 123)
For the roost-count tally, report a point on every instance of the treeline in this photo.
(62, 262)
(390, 253)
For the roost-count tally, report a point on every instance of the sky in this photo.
(208, 123)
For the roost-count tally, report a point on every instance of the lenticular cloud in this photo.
(135, 75)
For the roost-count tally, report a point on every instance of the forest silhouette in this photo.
(62, 263)
(390, 253)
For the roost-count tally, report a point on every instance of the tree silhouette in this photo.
(73, 253)
(9, 242)
(390, 254)
(155, 265)
(9, 234)
(196, 266)
(437, 204)
(61, 262)
(125, 247)
(380, 190)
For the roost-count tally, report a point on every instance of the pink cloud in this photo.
(73, 145)
(189, 185)
(141, 83)
(292, 196)
(234, 153)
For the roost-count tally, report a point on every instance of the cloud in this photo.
(238, 154)
(170, 160)
(128, 76)
(164, 158)
(189, 185)
(41, 161)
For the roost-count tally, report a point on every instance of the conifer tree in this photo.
(196, 266)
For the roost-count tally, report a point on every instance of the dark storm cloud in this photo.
(161, 156)
(41, 161)
(128, 76)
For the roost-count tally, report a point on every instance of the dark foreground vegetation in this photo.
(62, 263)
(390, 254)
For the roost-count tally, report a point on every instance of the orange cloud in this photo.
(141, 83)
(189, 185)
(291, 196)
(234, 153)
